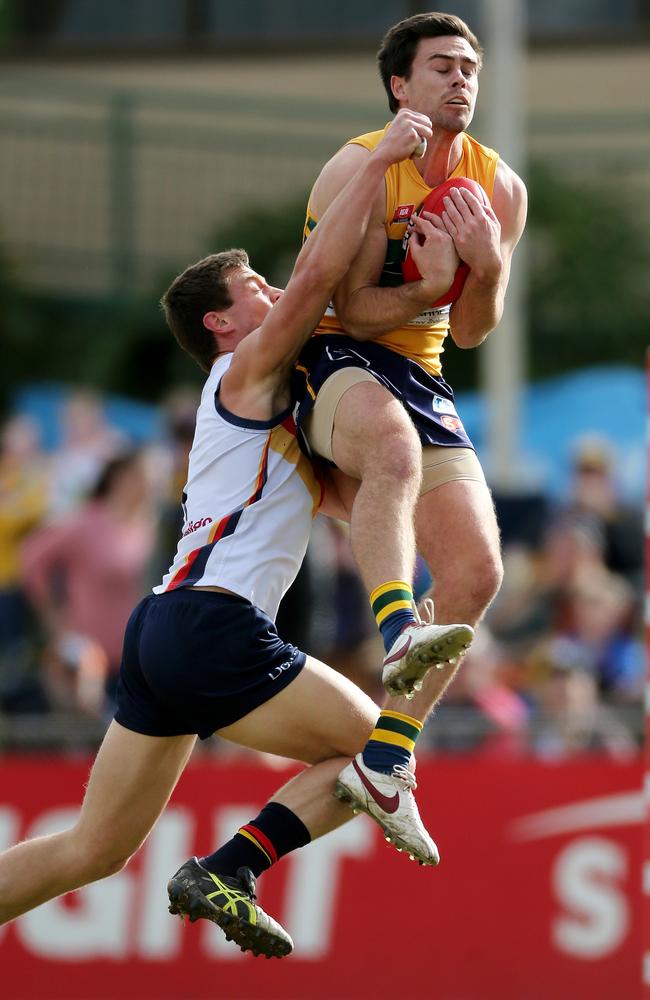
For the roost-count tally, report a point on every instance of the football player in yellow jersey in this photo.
(429, 65)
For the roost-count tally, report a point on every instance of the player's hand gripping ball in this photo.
(434, 203)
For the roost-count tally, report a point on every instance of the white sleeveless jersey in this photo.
(248, 504)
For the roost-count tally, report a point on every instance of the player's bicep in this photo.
(510, 204)
(334, 176)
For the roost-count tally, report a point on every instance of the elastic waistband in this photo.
(199, 596)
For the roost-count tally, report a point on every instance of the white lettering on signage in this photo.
(126, 916)
(95, 926)
(313, 883)
(168, 846)
(587, 879)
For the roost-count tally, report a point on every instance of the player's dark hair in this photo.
(201, 288)
(400, 43)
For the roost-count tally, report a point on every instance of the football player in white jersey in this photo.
(201, 657)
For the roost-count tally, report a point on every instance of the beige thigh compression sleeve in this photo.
(439, 465)
(319, 425)
(444, 465)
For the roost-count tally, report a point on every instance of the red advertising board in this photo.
(537, 896)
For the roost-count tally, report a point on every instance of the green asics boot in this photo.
(195, 892)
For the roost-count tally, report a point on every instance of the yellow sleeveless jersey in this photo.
(422, 338)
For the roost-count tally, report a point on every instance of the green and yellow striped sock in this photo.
(391, 742)
(392, 606)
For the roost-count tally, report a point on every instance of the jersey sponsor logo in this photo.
(442, 405)
(430, 317)
(195, 525)
(451, 423)
(403, 213)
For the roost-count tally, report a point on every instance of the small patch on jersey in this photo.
(442, 405)
(403, 213)
(451, 423)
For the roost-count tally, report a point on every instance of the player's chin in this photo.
(455, 121)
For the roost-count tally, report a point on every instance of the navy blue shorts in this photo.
(194, 661)
(429, 401)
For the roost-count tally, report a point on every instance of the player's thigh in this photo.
(456, 528)
(371, 426)
(321, 714)
(130, 784)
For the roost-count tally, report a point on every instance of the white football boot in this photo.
(388, 799)
(419, 647)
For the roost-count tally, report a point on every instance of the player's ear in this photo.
(397, 85)
(219, 327)
(217, 323)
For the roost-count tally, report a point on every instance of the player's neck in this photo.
(443, 155)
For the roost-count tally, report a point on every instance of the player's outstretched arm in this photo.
(267, 353)
(485, 239)
(364, 309)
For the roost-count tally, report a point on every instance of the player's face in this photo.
(252, 300)
(443, 83)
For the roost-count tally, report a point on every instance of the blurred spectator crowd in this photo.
(556, 669)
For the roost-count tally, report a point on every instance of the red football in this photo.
(433, 203)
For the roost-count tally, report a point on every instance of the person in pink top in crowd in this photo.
(85, 572)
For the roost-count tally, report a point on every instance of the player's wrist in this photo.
(382, 158)
(488, 274)
(426, 291)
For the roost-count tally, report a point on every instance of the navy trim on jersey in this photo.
(193, 569)
(253, 425)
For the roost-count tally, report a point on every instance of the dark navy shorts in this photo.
(428, 400)
(195, 661)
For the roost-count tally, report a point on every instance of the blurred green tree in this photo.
(589, 254)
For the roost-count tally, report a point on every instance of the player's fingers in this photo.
(434, 219)
(415, 117)
(456, 213)
(450, 225)
(422, 226)
(474, 204)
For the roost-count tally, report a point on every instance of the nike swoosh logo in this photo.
(399, 653)
(390, 804)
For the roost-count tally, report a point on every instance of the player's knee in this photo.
(108, 864)
(486, 581)
(357, 733)
(352, 734)
(101, 859)
(396, 454)
(493, 574)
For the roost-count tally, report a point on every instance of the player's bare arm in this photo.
(257, 379)
(485, 239)
(364, 309)
(367, 310)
